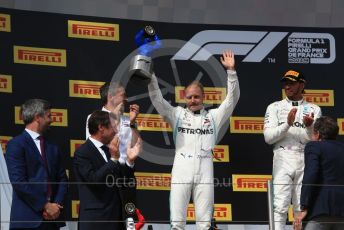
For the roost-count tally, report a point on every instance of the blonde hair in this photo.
(196, 83)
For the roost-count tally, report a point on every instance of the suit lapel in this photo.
(95, 152)
(31, 144)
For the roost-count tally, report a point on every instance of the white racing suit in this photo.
(288, 161)
(195, 137)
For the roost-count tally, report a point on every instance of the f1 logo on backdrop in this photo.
(303, 48)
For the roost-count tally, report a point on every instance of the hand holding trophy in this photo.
(141, 66)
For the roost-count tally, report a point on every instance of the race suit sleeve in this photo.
(273, 132)
(225, 110)
(307, 132)
(164, 108)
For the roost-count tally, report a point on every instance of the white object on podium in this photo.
(5, 193)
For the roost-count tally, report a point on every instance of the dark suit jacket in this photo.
(98, 201)
(324, 164)
(25, 165)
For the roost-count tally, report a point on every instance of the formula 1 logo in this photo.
(303, 48)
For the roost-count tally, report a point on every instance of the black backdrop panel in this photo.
(96, 60)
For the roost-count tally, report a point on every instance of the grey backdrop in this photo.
(305, 13)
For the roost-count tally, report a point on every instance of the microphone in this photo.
(129, 215)
(128, 197)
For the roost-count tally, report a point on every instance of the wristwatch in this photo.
(133, 125)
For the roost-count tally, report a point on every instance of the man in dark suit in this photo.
(322, 193)
(99, 173)
(31, 162)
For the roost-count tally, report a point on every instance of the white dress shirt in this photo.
(35, 139)
(98, 144)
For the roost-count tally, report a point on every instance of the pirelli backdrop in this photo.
(66, 58)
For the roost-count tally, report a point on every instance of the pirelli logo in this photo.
(250, 183)
(340, 122)
(152, 122)
(93, 30)
(153, 181)
(253, 125)
(74, 145)
(221, 153)
(318, 97)
(222, 212)
(59, 117)
(75, 208)
(5, 83)
(213, 95)
(39, 56)
(290, 213)
(84, 89)
(3, 142)
(5, 22)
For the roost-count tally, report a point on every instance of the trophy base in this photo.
(140, 77)
(140, 70)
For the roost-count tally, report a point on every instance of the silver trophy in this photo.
(141, 66)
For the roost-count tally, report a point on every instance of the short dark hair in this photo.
(327, 127)
(32, 107)
(97, 118)
(103, 90)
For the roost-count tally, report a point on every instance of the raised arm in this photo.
(225, 110)
(164, 108)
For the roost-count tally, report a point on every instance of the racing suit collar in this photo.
(294, 103)
(196, 112)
